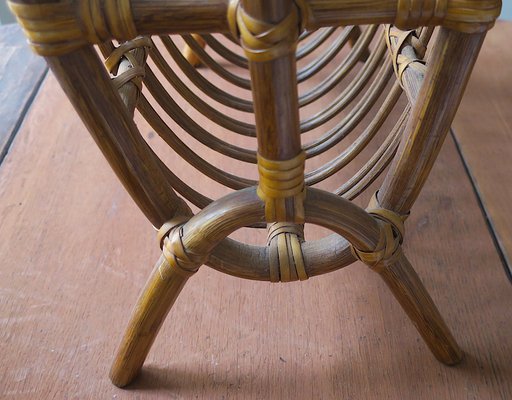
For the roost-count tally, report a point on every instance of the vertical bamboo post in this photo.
(269, 33)
(274, 89)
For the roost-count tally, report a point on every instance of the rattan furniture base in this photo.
(273, 35)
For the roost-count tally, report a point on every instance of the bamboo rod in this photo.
(59, 27)
(86, 83)
(275, 91)
(409, 48)
(469, 16)
(154, 303)
(452, 60)
(410, 292)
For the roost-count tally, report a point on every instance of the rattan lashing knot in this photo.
(57, 28)
(392, 230)
(263, 41)
(136, 73)
(286, 261)
(396, 39)
(179, 258)
(279, 181)
(414, 13)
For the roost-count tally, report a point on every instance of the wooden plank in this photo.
(21, 73)
(483, 131)
(75, 252)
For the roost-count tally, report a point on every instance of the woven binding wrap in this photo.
(54, 29)
(391, 236)
(279, 181)
(413, 13)
(181, 260)
(395, 40)
(137, 72)
(262, 41)
(286, 261)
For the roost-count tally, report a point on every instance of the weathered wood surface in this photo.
(75, 252)
(483, 130)
(21, 73)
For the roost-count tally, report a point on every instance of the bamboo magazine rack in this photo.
(272, 34)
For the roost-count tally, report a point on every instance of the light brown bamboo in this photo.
(217, 174)
(304, 48)
(449, 68)
(223, 120)
(353, 89)
(354, 186)
(201, 234)
(339, 73)
(318, 64)
(153, 305)
(409, 291)
(129, 92)
(190, 55)
(206, 86)
(347, 155)
(208, 61)
(469, 16)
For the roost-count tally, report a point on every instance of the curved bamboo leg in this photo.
(435, 105)
(408, 289)
(157, 298)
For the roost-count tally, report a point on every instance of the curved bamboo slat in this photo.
(304, 48)
(312, 149)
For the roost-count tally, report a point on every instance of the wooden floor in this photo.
(75, 251)
(21, 74)
(485, 138)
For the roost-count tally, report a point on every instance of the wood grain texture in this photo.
(21, 73)
(483, 130)
(469, 17)
(75, 250)
(59, 27)
(158, 296)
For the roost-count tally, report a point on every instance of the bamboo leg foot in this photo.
(190, 55)
(417, 303)
(157, 298)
